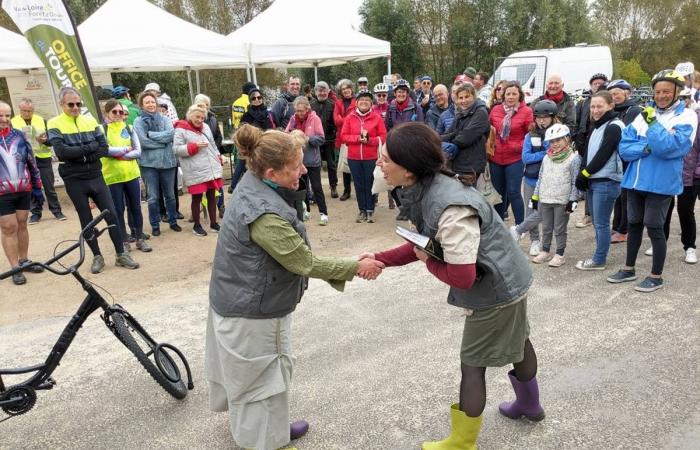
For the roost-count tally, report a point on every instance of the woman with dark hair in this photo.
(512, 120)
(487, 273)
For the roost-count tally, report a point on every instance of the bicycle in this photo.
(155, 357)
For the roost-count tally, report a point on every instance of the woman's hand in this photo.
(365, 255)
(369, 269)
(202, 144)
(420, 254)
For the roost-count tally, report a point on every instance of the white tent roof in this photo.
(17, 54)
(285, 34)
(151, 39)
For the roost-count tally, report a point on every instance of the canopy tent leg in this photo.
(199, 87)
(247, 73)
(189, 83)
(388, 65)
(315, 74)
(53, 93)
(255, 76)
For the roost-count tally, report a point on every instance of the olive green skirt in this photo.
(495, 337)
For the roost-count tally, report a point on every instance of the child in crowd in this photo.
(534, 150)
(555, 193)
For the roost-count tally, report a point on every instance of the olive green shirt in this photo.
(281, 241)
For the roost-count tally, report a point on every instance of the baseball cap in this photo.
(152, 87)
(362, 80)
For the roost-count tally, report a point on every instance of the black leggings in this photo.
(645, 209)
(472, 389)
(80, 191)
(211, 206)
(314, 176)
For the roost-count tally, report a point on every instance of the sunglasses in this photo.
(118, 112)
(380, 95)
(257, 97)
(74, 105)
(499, 89)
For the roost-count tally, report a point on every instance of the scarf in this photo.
(559, 157)
(401, 107)
(5, 131)
(293, 198)
(149, 120)
(259, 116)
(299, 124)
(510, 112)
(557, 98)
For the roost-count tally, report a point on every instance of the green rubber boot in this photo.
(465, 430)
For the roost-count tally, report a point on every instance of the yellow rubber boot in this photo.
(465, 430)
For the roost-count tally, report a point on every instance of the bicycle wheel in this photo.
(130, 333)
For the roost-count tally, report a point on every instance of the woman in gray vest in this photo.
(261, 268)
(487, 273)
(601, 175)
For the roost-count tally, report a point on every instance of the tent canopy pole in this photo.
(315, 73)
(189, 83)
(199, 87)
(255, 76)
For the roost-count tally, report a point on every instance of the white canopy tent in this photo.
(17, 55)
(275, 38)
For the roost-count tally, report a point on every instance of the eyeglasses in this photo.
(118, 112)
(74, 105)
(380, 95)
(257, 97)
(427, 83)
(499, 89)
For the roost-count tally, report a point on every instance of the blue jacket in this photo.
(446, 119)
(156, 145)
(655, 152)
(533, 156)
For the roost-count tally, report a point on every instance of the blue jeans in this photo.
(601, 199)
(362, 177)
(507, 181)
(157, 181)
(124, 195)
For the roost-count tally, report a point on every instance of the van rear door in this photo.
(529, 71)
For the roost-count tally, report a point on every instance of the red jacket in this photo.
(350, 135)
(511, 150)
(339, 114)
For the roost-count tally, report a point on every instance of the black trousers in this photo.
(329, 155)
(686, 215)
(619, 222)
(645, 209)
(314, 177)
(47, 181)
(80, 191)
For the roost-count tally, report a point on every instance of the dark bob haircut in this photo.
(416, 148)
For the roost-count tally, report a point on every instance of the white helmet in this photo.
(685, 68)
(556, 131)
(380, 87)
(686, 92)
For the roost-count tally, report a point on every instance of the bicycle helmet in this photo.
(619, 84)
(380, 88)
(364, 93)
(685, 93)
(119, 92)
(556, 131)
(545, 108)
(685, 68)
(598, 76)
(402, 84)
(669, 75)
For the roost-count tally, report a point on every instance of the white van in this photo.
(575, 65)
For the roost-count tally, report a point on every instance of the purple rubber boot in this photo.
(527, 400)
(298, 429)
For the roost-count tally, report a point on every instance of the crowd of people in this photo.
(435, 145)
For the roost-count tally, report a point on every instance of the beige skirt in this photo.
(248, 367)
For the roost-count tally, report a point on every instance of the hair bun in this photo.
(247, 138)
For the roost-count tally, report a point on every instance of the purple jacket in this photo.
(410, 114)
(691, 162)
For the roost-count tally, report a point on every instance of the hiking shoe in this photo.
(143, 246)
(176, 228)
(534, 248)
(98, 264)
(125, 260)
(156, 232)
(589, 265)
(215, 227)
(650, 251)
(514, 233)
(323, 221)
(361, 217)
(557, 261)
(621, 276)
(618, 238)
(131, 239)
(34, 219)
(197, 230)
(334, 192)
(345, 196)
(144, 236)
(127, 247)
(584, 222)
(60, 216)
(690, 256)
(179, 216)
(542, 257)
(649, 284)
(19, 278)
(370, 216)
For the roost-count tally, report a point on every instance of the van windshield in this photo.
(520, 73)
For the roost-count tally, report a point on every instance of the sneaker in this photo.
(557, 261)
(370, 216)
(19, 278)
(176, 228)
(361, 217)
(143, 246)
(155, 232)
(131, 239)
(34, 219)
(622, 275)
(649, 284)
(542, 257)
(298, 429)
(618, 238)
(60, 216)
(144, 236)
(125, 260)
(323, 221)
(334, 192)
(127, 247)
(534, 248)
(164, 218)
(179, 216)
(650, 251)
(306, 216)
(690, 256)
(514, 233)
(98, 264)
(197, 230)
(584, 222)
(222, 210)
(589, 265)
(215, 227)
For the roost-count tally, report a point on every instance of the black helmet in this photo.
(364, 93)
(598, 76)
(402, 84)
(545, 108)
